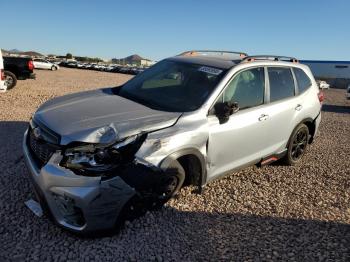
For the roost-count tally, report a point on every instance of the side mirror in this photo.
(223, 110)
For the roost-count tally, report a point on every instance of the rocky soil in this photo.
(274, 213)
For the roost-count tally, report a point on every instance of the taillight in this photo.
(30, 65)
(2, 75)
(320, 96)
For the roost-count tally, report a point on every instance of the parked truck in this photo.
(17, 68)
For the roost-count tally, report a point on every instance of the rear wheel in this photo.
(297, 145)
(53, 68)
(10, 80)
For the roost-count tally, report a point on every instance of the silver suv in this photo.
(97, 158)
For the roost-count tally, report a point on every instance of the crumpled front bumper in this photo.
(78, 203)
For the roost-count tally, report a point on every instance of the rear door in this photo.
(47, 64)
(283, 107)
(39, 63)
(2, 76)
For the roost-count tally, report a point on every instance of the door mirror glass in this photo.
(223, 110)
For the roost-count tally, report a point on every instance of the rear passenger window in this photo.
(281, 83)
(303, 80)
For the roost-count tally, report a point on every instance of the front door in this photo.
(243, 139)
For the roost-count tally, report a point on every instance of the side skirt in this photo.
(271, 158)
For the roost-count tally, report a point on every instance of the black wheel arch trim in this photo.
(188, 151)
(305, 120)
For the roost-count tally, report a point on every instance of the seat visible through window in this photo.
(247, 88)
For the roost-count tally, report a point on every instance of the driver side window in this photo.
(247, 88)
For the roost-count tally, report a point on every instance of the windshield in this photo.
(173, 86)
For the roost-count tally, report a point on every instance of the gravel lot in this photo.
(268, 214)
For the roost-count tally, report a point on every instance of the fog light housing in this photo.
(71, 214)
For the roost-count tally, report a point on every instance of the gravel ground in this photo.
(260, 214)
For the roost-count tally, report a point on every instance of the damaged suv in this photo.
(100, 156)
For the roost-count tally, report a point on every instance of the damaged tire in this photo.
(169, 184)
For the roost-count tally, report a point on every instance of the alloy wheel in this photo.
(299, 144)
(8, 80)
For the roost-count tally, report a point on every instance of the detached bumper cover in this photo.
(78, 203)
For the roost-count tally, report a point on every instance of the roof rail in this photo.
(270, 57)
(231, 55)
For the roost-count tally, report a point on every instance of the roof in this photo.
(223, 61)
(206, 61)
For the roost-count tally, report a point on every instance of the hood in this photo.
(100, 116)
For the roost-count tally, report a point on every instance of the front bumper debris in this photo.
(34, 207)
(78, 203)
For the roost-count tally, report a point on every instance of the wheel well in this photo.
(13, 70)
(312, 127)
(193, 169)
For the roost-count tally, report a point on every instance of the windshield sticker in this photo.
(210, 70)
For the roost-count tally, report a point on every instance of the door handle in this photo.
(263, 117)
(298, 107)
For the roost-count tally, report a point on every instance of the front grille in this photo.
(41, 149)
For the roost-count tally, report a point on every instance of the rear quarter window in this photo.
(304, 82)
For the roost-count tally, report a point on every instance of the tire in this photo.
(171, 183)
(297, 145)
(138, 205)
(53, 68)
(10, 80)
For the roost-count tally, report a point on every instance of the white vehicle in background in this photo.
(348, 92)
(80, 65)
(44, 64)
(323, 85)
(2, 75)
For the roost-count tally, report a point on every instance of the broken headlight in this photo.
(99, 158)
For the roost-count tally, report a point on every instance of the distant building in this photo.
(146, 62)
(336, 73)
(134, 60)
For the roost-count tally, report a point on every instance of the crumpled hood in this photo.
(100, 116)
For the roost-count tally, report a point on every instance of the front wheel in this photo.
(297, 145)
(10, 80)
(168, 185)
(53, 68)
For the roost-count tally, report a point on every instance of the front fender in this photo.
(183, 152)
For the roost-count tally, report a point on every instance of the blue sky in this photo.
(158, 29)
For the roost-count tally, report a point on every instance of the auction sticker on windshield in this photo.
(210, 70)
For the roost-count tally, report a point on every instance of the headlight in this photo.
(96, 158)
(90, 158)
